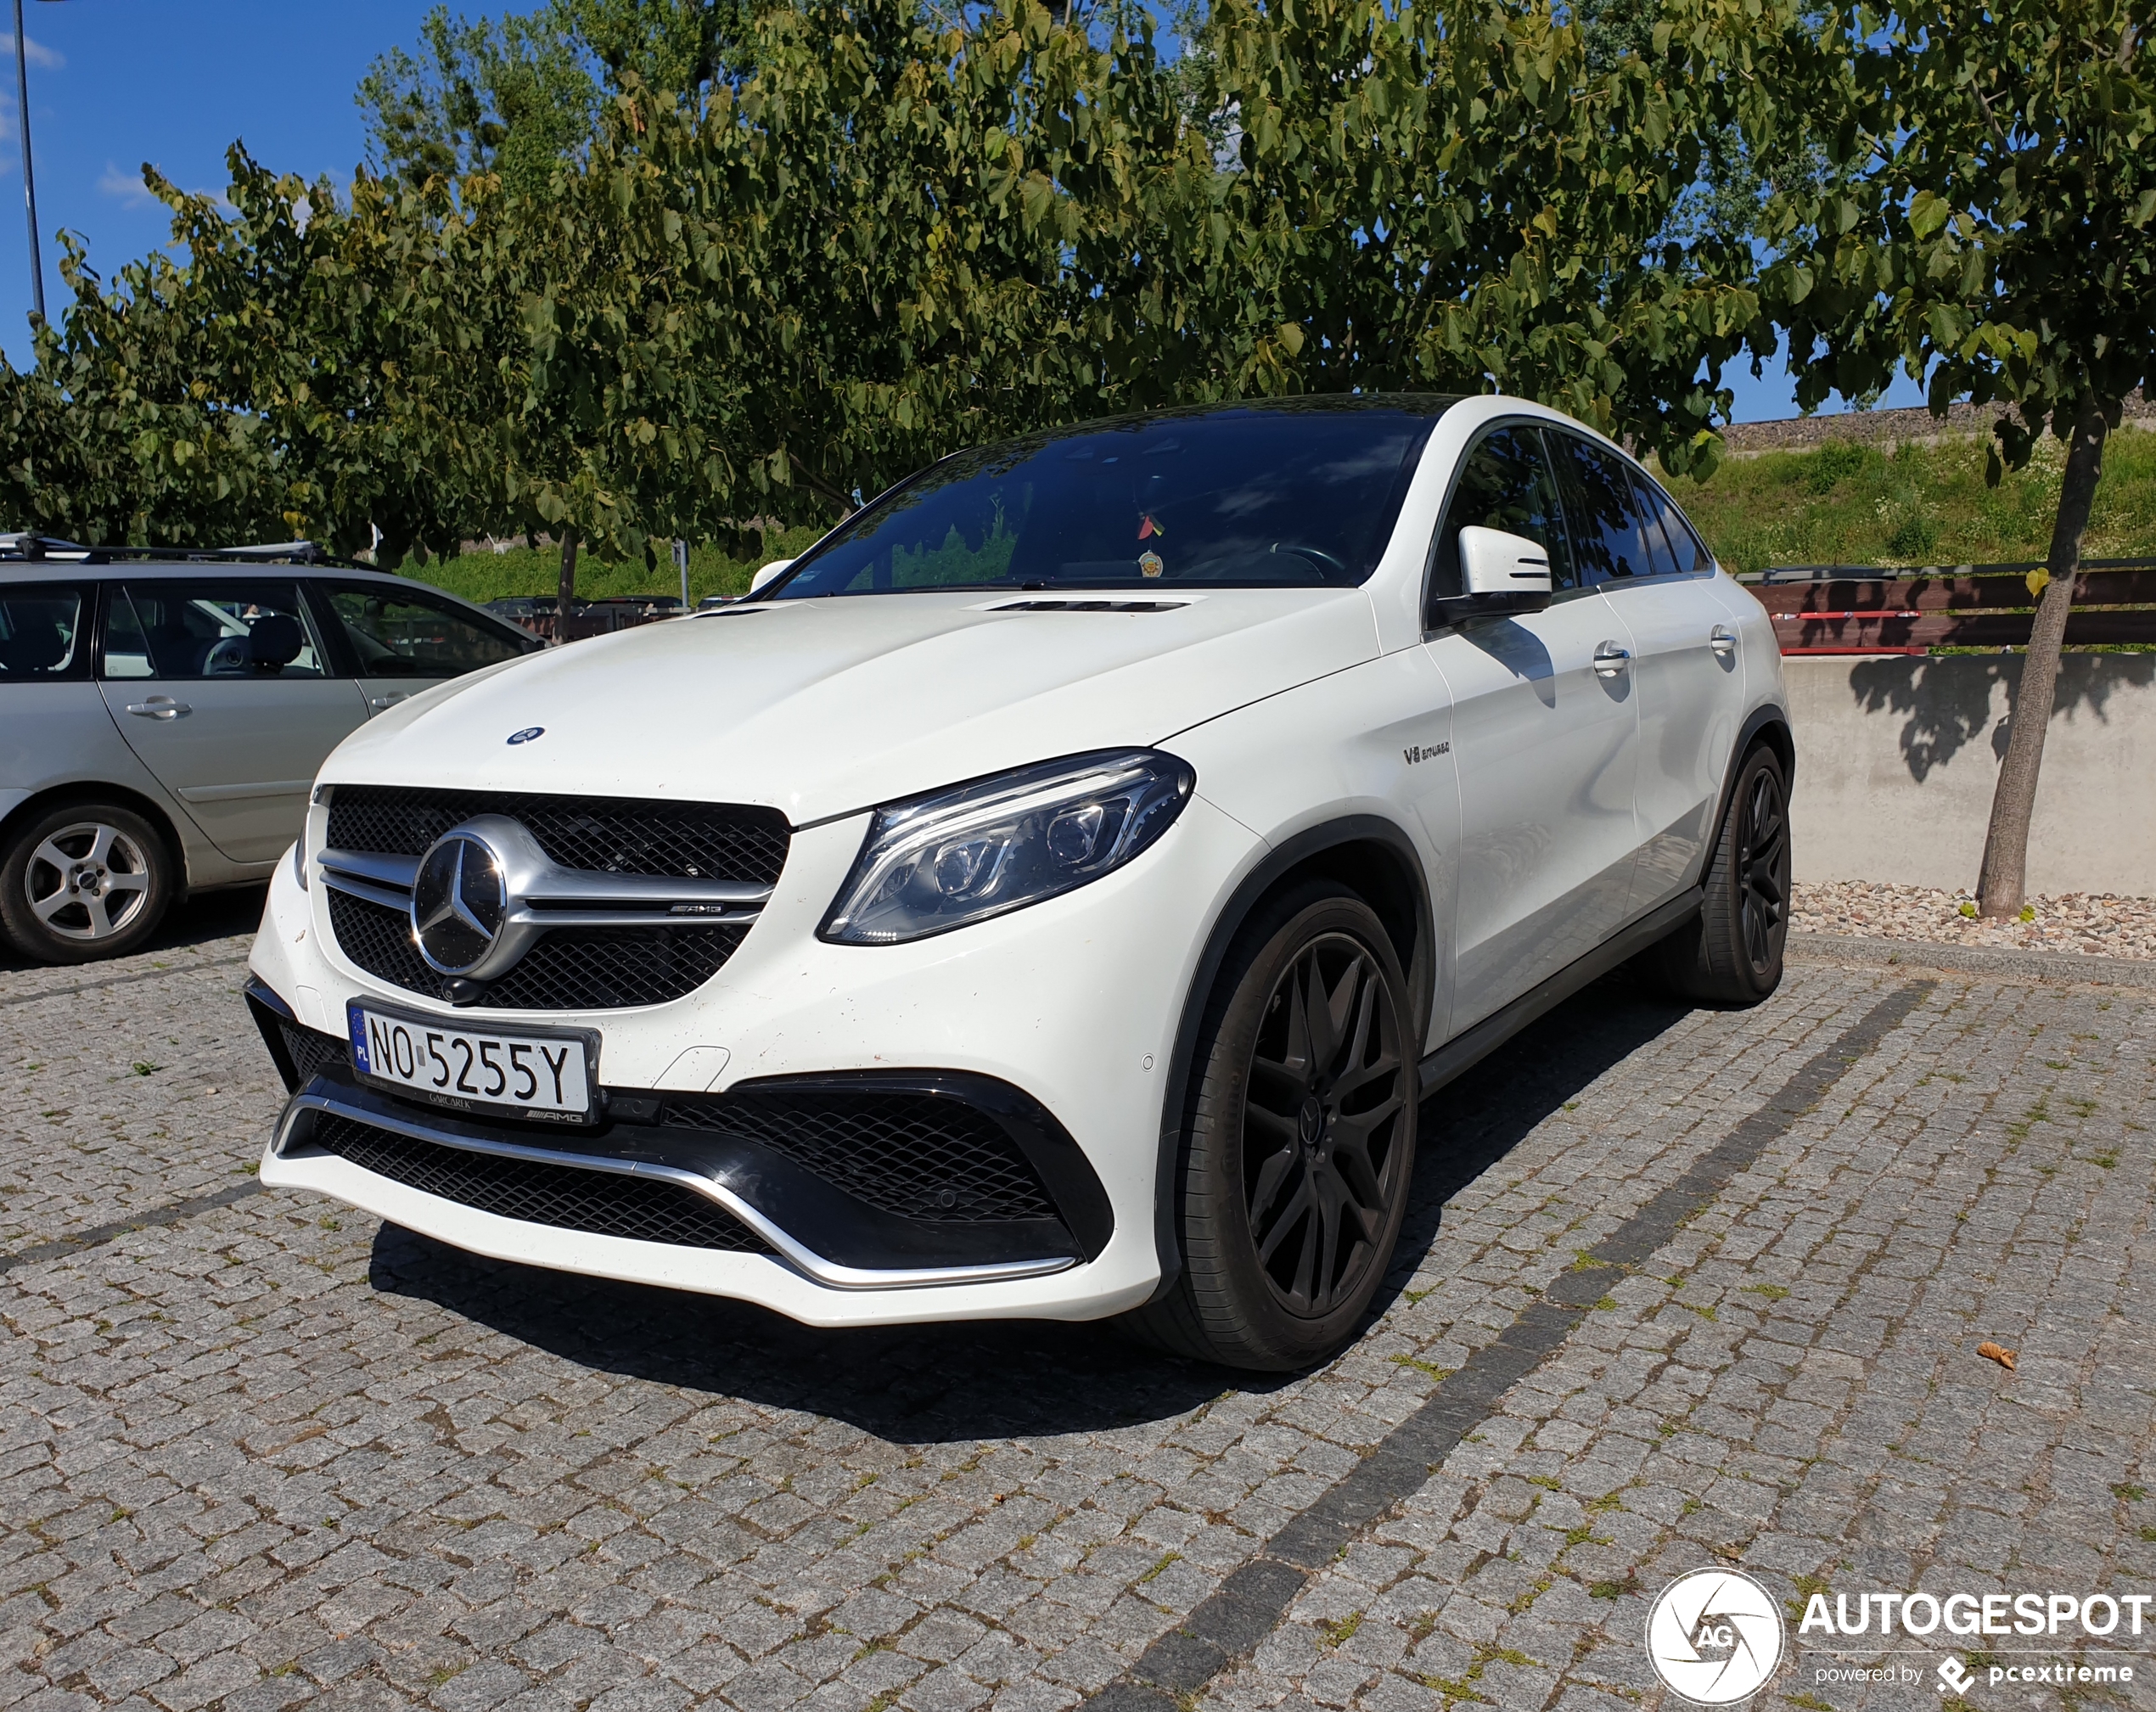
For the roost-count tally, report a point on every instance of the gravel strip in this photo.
(2092, 924)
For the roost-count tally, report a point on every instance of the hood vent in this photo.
(1067, 605)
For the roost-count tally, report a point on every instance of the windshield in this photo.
(1297, 494)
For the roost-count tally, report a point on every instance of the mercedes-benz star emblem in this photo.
(457, 902)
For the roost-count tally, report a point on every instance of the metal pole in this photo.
(29, 184)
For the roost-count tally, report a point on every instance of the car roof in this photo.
(242, 568)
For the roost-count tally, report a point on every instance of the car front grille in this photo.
(621, 835)
(569, 1198)
(922, 1156)
(569, 969)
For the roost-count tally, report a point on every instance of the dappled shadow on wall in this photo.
(1948, 699)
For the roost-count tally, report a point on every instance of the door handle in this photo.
(159, 707)
(1722, 639)
(1610, 660)
(379, 703)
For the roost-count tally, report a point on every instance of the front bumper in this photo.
(1056, 1023)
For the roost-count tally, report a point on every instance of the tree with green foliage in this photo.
(518, 96)
(1990, 233)
(1464, 197)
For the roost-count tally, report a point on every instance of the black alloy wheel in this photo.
(1321, 1128)
(1731, 952)
(1763, 870)
(1299, 1140)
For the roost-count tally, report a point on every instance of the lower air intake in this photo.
(921, 1156)
(311, 1053)
(569, 1198)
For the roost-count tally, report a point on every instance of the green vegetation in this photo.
(486, 575)
(1921, 504)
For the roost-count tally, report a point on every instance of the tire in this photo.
(1731, 953)
(82, 881)
(1299, 1143)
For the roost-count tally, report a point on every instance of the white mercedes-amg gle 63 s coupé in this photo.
(1055, 892)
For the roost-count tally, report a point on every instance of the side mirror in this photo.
(767, 573)
(1499, 573)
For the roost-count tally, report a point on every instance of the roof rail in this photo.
(24, 547)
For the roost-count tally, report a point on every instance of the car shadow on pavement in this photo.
(1470, 1124)
(920, 1384)
(911, 1384)
(218, 915)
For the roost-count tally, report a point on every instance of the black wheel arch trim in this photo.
(1767, 717)
(1277, 863)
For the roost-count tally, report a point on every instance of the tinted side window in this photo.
(399, 635)
(1689, 555)
(1506, 485)
(41, 632)
(221, 628)
(1608, 535)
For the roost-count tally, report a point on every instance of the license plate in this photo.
(546, 1076)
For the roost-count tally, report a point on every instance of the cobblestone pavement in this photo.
(1678, 1288)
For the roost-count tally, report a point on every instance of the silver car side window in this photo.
(211, 629)
(41, 631)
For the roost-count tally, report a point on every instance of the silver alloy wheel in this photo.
(88, 881)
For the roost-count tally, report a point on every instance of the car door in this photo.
(1684, 648)
(1545, 739)
(219, 684)
(402, 642)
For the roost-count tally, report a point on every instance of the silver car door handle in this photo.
(159, 707)
(1722, 639)
(1610, 660)
(380, 702)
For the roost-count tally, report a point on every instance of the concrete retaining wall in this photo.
(1896, 758)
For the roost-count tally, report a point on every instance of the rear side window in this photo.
(41, 632)
(1505, 483)
(1688, 555)
(393, 634)
(220, 627)
(1610, 534)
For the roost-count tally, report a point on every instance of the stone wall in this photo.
(1897, 756)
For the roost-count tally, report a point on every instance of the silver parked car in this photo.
(162, 714)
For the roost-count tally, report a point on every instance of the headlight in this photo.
(938, 862)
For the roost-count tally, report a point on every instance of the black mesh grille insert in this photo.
(567, 1197)
(624, 835)
(311, 1051)
(922, 1156)
(569, 970)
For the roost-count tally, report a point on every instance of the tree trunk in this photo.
(2000, 886)
(567, 589)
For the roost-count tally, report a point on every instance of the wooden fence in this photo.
(1830, 609)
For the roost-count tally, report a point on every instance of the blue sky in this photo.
(113, 83)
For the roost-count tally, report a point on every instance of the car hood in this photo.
(821, 707)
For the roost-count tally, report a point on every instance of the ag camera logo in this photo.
(1715, 1636)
